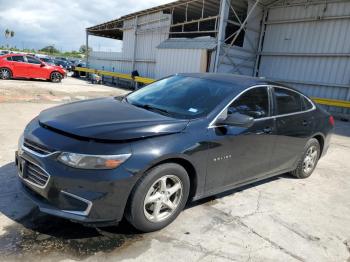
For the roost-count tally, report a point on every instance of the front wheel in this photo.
(5, 74)
(158, 197)
(309, 159)
(55, 77)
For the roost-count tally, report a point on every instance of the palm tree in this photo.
(9, 34)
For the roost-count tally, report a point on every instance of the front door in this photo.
(236, 154)
(35, 70)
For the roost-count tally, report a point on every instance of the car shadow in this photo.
(32, 232)
(31, 80)
(237, 190)
(28, 231)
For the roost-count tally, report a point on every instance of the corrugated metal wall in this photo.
(172, 61)
(308, 46)
(151, 31)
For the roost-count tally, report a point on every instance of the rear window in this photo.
(287, 101)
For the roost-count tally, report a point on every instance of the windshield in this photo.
(181, 96)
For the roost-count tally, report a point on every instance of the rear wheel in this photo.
(55, 77)
(5, 74)
(308, 162)
(158, 197)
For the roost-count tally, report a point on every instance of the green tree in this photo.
(50, 49)
(9, 33)
(82, 49)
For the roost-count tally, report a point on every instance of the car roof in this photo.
(238, 80)
(7, 55)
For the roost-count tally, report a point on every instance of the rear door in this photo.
(19, 66)
(294, 126)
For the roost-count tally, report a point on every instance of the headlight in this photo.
(92, 161)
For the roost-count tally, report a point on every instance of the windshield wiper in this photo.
(152, 108)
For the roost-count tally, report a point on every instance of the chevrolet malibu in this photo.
(25, 66)
(183, 138)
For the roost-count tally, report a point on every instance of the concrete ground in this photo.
(280, 219)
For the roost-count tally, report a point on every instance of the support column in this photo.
(135, 45)
(224, 10)
(260, 45)
(87, 49)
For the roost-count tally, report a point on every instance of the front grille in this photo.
(40, 149)
(35, 175)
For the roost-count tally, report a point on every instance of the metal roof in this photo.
(208, 43)
(113, 28)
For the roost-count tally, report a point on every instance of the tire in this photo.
(309, 159)
(149, 208)
(5, 74)
(56, 77)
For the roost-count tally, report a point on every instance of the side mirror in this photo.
(237, 119)
(42, 65)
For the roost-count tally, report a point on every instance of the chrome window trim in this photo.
(30, 182)
(79, 213)
(212, 123)
(299, 93)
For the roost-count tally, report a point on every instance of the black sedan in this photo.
(180, 139)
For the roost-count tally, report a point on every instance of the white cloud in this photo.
(39, 23)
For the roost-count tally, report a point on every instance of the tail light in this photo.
(331, 120)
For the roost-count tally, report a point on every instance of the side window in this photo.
(9, 58)
(33, 60)
(287, 101)
(254, 103)
(306, 104)
(18, 58)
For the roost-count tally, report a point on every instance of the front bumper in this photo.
(86, 196)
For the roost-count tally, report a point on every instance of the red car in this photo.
(25, 66)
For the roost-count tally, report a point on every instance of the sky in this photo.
(39, 23)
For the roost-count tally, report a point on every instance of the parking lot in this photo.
(280, 219)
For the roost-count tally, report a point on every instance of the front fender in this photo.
(179, 148)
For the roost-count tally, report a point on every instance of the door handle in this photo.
(305, 123)
(267, 130)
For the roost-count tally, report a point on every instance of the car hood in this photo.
(108, 119)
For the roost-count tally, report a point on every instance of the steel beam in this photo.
(305, 54)
(306, 3)
(221, 33)
(87, 48)
(135, 45)
(260, 45)
(305, 20)
(236, 34)
(195, 21)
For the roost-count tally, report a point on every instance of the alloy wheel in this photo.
(163, 198)
(310, 159)
(5, 73)
(56, 77)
